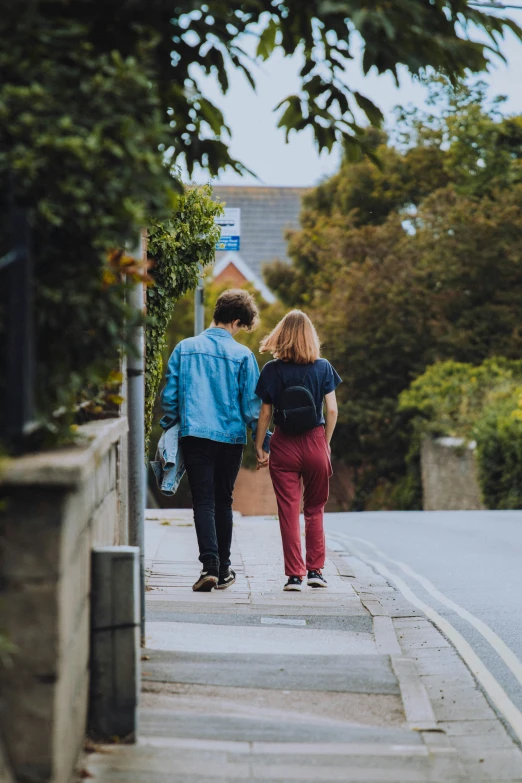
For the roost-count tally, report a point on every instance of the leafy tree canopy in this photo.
(438, 277)
(188, 39)
(96, 96)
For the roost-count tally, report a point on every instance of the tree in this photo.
(93, 104)
(182, 41)
(438, 276)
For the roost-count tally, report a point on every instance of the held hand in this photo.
(262, 458)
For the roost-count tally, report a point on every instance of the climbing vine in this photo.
(177, 246)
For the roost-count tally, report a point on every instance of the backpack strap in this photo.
(278, 367)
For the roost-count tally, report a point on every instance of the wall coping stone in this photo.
(456, 443)
(66, 467)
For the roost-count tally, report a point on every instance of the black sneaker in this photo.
(226, 579)
(294, 583)
(316, 579)
(206, 582)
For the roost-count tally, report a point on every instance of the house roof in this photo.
(246, 271)
(266, 214)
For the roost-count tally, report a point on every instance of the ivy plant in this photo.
(179, 248)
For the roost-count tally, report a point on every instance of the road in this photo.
(473, 563)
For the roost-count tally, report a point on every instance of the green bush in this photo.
(177, 247)
(80, 131)
(499, 437)
(481, 403)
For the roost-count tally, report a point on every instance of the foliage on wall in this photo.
(79, 133)
(481, 403)
(178, 246)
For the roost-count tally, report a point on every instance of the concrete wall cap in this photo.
(68, 466)
(454, 443)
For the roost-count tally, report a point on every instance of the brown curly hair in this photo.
(236, 304)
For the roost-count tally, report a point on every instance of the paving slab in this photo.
(368, 709)
(338, 673)
(493, 764)
(192, 637)
(251, 683)
(361, 623)
(167, 723)
(461, 704)
(471, 728)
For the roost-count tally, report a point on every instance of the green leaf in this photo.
(373, 113)
(267, 40)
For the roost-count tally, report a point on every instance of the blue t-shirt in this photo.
(320, 379)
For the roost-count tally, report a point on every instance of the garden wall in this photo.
(449, 475)
(56, 506)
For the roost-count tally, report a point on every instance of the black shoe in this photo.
(226, 579)
(316, 579)
(294, 583)
(206, 582)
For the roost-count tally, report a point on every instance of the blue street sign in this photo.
(228, 243)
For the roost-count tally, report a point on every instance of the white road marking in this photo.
(501, 648)
(494, 690)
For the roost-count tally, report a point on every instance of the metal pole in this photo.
(136, 439)
(199, 305)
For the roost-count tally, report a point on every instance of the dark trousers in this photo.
(212, 469)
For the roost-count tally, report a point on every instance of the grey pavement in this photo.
(351, 683)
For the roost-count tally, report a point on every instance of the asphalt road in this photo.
(474, 558)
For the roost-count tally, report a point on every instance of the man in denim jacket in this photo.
(210, 393)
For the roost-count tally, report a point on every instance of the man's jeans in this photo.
(212, 469)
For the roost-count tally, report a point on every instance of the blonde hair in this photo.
(294, 339)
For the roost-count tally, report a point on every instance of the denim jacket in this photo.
(210, 388)
(169, 466)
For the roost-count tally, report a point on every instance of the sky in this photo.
(260, 145)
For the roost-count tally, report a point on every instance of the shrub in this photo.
(482, 403)
(80, 130)
(177, 247)
(499, 437)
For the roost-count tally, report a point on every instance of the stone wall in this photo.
(449, 475)
(254, 494)
(56, 506)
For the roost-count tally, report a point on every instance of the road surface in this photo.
(466, 566)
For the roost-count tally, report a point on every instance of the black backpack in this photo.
(295, 411)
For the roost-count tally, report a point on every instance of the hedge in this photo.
(481, 403)
(80, 137)
(177, 247)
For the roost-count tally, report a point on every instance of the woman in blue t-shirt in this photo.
(295, 384)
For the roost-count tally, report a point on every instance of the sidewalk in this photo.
(251, 683)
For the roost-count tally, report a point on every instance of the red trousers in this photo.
(298, 461)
